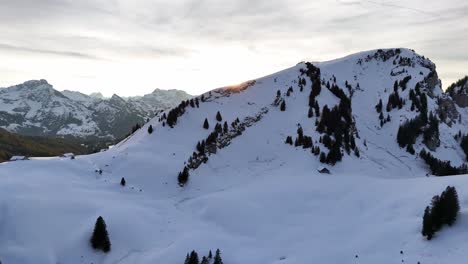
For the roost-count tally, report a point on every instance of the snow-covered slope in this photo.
(256, 198)
(36, 108)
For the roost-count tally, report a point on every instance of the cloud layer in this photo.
(131, 47)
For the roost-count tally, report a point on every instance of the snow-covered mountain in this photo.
(218, 171)
(36, 108)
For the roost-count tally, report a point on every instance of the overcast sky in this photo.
(132, 47)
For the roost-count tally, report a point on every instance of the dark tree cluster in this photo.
(418, 99)
(431, 132)
(403, 83)
(100, 238)
(443, 210)
(217, 139)
(394, 101)
(383, 119)
(338, 123)
(302, 83)
(192, 258)
(303, 140)
(314, 75)
(409, 131)
(441, 168)
(174, 113)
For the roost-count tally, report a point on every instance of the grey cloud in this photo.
(48, 52)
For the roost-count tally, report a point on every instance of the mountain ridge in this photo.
(35, 108)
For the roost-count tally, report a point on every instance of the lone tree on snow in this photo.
(100, 238)
(150, 129)
(283, 106)
(122, 181)
(219, 118)
(206, 125)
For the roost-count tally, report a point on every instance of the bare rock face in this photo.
(459, 92)
(447, 111)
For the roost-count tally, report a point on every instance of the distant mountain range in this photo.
(35, 108)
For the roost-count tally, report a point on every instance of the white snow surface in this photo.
(258, 199)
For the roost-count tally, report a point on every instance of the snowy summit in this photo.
(238, 169)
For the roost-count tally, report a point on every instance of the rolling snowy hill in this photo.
(36, 108)
(249, 193)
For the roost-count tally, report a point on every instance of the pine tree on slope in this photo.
(100, 237)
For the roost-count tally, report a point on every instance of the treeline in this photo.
(193, 258)
(443, 210)
(441, 168)
(19, 145)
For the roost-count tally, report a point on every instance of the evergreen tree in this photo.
(289, 140)
(210, 255)
(183, 177)
(150, 129)
(122, 181)
(452, 205)
(381, 117)
(283, 106)
(436, 212)
(193, 258)
(410, 149)
(206, 125)
(219, 118)
(427, 229)
(100, 238)
(378, 107)
(205, 260)
(187, 259)
(323, 157)
(311, 112)
(225, 127)
(217, 257)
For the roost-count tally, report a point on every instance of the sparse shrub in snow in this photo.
(283, 106)
(100, 238)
